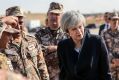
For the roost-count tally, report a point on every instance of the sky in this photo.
(41, 6)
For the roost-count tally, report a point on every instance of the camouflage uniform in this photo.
(46, 38)
(26, 56)
(5, 62)
(112, 42)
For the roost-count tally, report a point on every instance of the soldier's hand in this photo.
(10, 20)
(51, 48)
(115, 63)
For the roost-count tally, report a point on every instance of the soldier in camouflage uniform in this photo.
(49, 38)
(5, 63)
(111, 37)
(24, 51)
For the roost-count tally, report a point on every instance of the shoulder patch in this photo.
(31, 46)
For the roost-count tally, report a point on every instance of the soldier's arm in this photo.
(10, 20)
(5, 21)
(51, 48)
(42, 66)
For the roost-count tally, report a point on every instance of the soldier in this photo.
(5, 63)
(24, 51)
(49, 38)
(111, 37)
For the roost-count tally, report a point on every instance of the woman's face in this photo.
(76, 32)
(54, 20)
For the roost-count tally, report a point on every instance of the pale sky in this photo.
(84, 6)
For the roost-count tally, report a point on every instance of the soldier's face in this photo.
(54, 20)
(19, 23)
(19, 26)
(20, 20)
(114, 23)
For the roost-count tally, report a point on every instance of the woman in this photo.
(82, 56)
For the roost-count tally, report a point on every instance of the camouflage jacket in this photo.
(5, 63)
(112, 42)
(46, 37)
(27, 58)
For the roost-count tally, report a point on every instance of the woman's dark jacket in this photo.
(90, 64)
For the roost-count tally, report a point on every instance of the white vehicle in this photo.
(33, 24)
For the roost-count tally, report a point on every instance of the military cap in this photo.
(55, 7)
(14, 11)
(11, 30)
(114, 15)
(7, 28)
